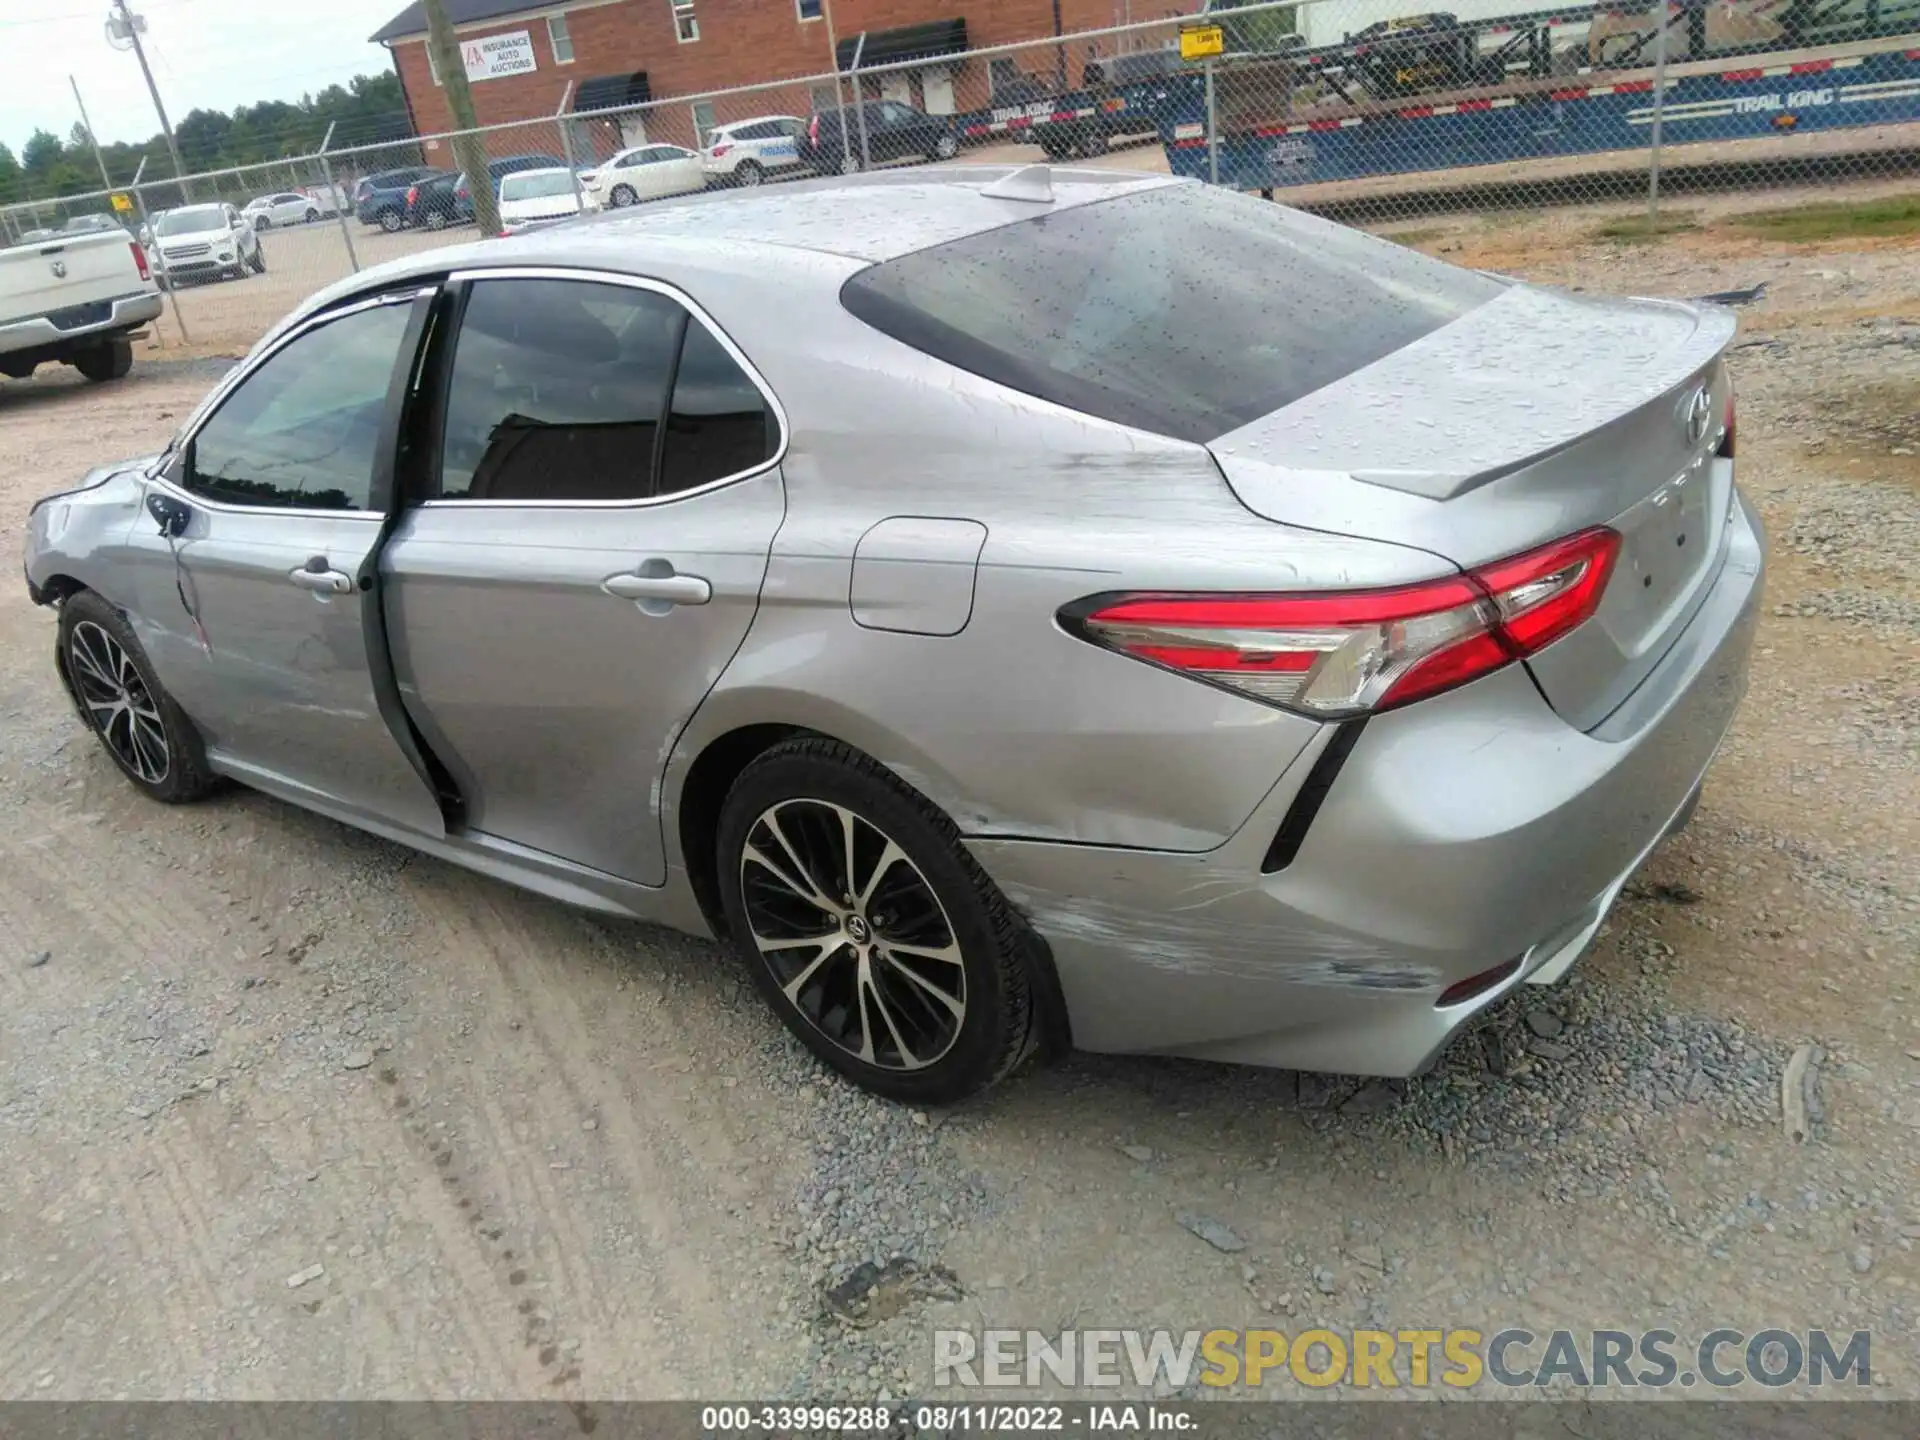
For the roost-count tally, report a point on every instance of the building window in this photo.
(684, 24)
(809, 9)
(703, 121)
(433, 65)
(559, 39)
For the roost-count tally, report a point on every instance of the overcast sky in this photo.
(205, 53)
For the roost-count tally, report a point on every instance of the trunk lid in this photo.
(1532, 416)
(49, 276)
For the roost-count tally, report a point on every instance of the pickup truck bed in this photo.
(76, 300)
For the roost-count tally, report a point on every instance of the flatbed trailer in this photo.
(1271, 137)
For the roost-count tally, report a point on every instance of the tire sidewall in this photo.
(186, 759)
(978, 1054)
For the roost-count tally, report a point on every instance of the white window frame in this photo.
(819, 11)
(686, 24)
(433, 66)
(559, 37)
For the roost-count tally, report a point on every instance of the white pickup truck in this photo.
(75, 298)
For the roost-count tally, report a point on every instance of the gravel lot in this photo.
(286, 1111)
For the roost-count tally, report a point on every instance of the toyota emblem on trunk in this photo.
(1698, 412)
(59, 269)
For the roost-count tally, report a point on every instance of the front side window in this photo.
(558, 390)
(560, 39)
(301, 431)
(1186, 309)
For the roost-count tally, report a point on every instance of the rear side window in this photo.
(1184, 310)
(559, 387)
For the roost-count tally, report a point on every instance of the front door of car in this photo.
(586, 557)
(254, 585)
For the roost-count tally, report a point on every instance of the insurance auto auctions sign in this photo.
(495, 55)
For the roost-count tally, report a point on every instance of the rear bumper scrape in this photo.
(1471, 829)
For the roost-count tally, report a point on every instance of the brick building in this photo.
(657, 55)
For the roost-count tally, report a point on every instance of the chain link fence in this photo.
(1349, 107)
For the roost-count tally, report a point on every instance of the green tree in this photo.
(43, 152)
(1260, 33)
(12, 178)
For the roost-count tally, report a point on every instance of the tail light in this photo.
(719, 150)
(813, 130)
(140, 260)
(413, 195)
(1333, 656)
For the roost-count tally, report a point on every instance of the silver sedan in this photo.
(1010, 609)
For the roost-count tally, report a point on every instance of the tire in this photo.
(265, 222)
(850, 164)
(623, 196)
(108, 361)
(391, 221)
(107, 672)
(748, 172)
(312, 216)
(238, 271)
(926, 896)
(1094, 145)
(945, 148)
(259, 260)
(436, 220)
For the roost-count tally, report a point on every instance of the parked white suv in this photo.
(744, 152)
(198, 241)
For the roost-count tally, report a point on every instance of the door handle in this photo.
(321, 578)
(664, 590)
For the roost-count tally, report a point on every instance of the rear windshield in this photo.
(536, 185)
(1186, 310)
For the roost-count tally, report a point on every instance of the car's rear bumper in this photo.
(1472, 831)
(64, 328)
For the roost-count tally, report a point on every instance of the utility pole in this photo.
(123, 24)
(92, 139)
(469, 151)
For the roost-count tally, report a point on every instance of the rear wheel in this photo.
(623, 196)
(436, 220)
(945, 148)
(148, 736)
(868, 927)
(108, 361)
(850, 164)
(391, 221)
(748, 173)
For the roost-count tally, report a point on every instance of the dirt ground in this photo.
(288, 1112)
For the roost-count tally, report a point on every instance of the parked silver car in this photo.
(1010, 609)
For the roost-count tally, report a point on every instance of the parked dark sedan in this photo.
(893, 132)
(381, 199)
(446, 199)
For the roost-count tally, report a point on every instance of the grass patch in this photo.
(1639, 230)
(1832, 220)
(1414, 239)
